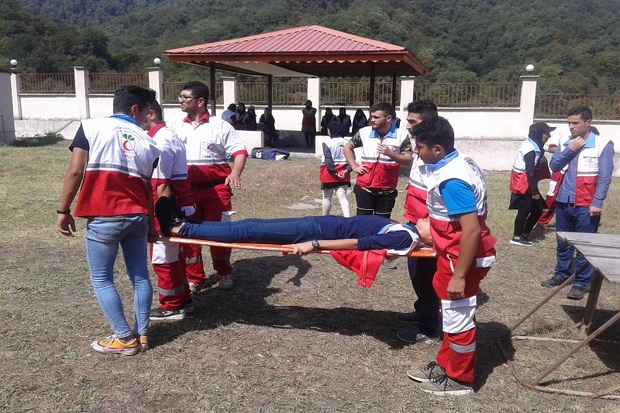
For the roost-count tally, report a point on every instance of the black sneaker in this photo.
(157, 314)
(552, 282)
(166, 215)
(521, 242)
(577, 292)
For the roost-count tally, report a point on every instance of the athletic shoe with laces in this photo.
(414, 335)
(157, 314)
(226, 282)
(112, 345)
(445, 386)
(196, 287)
(552, 282)
(166, 215)
(430, 372)
(521, 242)
(411, 318)
(577, 292)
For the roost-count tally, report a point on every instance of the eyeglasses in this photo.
(186, 98)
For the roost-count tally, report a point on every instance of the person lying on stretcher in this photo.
(304, 235)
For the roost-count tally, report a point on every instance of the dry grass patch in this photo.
(294, 335)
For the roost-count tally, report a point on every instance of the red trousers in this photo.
(210, 203)
(457, 354)
(170, 270)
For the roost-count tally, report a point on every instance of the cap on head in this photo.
(538, 129)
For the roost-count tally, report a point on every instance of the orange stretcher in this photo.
(423, 252)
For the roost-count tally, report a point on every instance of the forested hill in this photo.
(575, 45)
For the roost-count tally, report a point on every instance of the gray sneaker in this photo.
(414, 335)
(577, 292)
(226, 282)
(432, 371)
(552, 282)
(445, 386)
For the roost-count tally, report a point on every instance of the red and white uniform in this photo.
(166, 256)
(415, 201)
(335, 146)
(519, 183)
(457, 353)
(382, 171)
(120, 161)
(208, 144)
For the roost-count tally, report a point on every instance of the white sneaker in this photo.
(196, 287)
(389, 264)
(226, 282)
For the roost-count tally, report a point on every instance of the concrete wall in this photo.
(490, 135)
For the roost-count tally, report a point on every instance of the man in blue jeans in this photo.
(587, 160)
(111, 164)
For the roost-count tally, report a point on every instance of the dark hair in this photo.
(583, 111)
(127, 96)
(156, 107)
(199, 89)
(232, 107)
(383, 107)
(328, 110)
(425, 108)
(435, 131)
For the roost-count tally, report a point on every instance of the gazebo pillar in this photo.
(229, 84)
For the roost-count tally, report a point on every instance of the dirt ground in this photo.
(293, 335)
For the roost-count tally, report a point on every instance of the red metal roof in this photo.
(309, 50)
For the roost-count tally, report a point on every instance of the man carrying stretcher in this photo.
(347, 238)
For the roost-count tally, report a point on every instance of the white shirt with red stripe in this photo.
(120, 162)
(208, 144)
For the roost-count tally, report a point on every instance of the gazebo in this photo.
(309, 51)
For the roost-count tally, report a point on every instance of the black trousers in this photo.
(374, 204)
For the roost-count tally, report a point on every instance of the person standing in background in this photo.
(308, 123)
(334, 173)
(588, 162)
(524, 194)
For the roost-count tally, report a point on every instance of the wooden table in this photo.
(603, 252)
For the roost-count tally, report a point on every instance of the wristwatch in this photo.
(315, 245)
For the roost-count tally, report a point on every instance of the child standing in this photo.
(334, 172)
(525, 196)
(465, 248)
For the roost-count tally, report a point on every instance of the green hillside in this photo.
(575, 46)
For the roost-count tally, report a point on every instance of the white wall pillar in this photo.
(7, 122)
(527, 103)
(156, 81)
(229, 86)
(82, 88)
(407, 88)
(16, 88)
(314, 94)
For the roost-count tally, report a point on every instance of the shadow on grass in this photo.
(247, 304)
(33, 141)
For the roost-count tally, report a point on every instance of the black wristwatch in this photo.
(315, 245)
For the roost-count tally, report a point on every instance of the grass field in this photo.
(294, 335)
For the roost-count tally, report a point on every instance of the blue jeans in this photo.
(103, 236)
(271, 231)
(570, 218)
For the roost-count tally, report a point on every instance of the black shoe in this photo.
(552, 282)
(166, 215)
(158, 314)
(577, 292)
